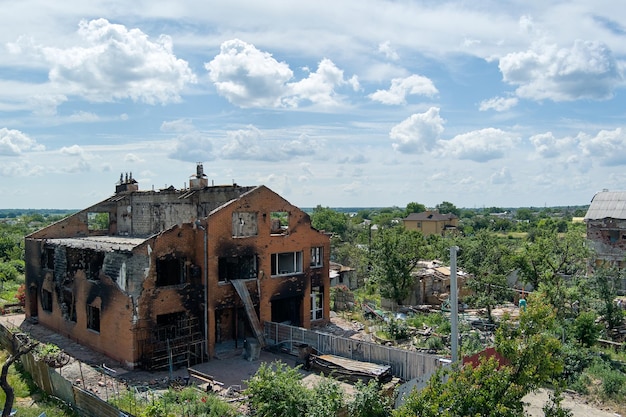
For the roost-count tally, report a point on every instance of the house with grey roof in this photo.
(606, 227)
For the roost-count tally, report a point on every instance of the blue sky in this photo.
(342, 104)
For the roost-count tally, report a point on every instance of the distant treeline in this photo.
(14, 213)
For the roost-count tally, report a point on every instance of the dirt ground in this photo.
(104, 377)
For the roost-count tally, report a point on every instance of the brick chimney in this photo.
(126, 184)
(198, 181)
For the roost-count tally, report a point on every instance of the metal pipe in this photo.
(206, 287)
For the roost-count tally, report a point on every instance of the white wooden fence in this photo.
(405, 364)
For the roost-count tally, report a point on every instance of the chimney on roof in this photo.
(126, 184)
(198, 181)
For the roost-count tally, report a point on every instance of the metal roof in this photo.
(99, 243)
(607, 204)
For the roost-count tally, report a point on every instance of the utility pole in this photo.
(454, 306)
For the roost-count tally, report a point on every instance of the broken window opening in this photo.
(93, 265)
(68, 304)
(237, 267)
(98, 221)
(317, 257)
(317, 304)
(279, 222)
(46, 300)
(614, 235)
(244, 224)
(286, 263)
(93, 318)
(170, 271)
(49, 260)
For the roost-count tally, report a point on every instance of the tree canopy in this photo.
(395, 253)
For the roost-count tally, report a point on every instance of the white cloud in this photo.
(480, 145)
(319, 86)
(548, 146)
(132, 158)
(83, 117)
(502, 176)
(74, 150)
(418, 133)
(248, 77)
(192, 147)
(498, 104)
(386, 49)
(303, 146)
(587, 70)
(401, 87)
(607, 146)
(113, 62)
(14, 143)
(180, 125)
(20, 168)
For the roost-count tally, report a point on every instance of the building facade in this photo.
(431, 222)
(606, 227)
(150, 277)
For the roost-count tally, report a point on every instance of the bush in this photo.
(369, 401)
(585, 329)
(276, 390)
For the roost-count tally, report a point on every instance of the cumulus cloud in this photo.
(607, 146)
(83, 117)
(418, 133)
(480, 145)
(248, 77)
(386, 49)
(252, 144)
(114, 63)
(548, 146)
(401, 87)
(498, 104)
(192, 147)
(20, 168)
(502, 176)
(303, 145)
(131, 157)
(587, 70)
(179, 125)
(14, 143)
(74, 150)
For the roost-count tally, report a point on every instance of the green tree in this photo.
(547, 256)
(395, 253)
(329, 220)
(489, 261)
(414, 207)
(491, 388)
(447, 207)
(605, 285)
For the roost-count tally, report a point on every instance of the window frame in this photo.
(93, 318)
(277, 266)
(317, 304)
(317, 257)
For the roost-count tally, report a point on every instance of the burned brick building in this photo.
(147, 276)
(606, 228)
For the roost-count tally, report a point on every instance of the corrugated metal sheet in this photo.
(607, 204)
